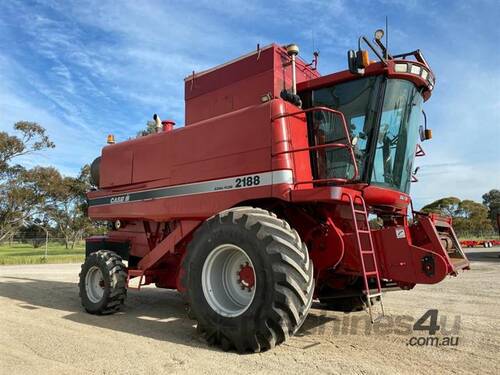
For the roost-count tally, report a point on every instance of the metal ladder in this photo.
(370, 252)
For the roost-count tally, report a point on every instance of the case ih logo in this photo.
(120, 199)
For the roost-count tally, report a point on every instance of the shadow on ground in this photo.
(483, 256)
(155, 313)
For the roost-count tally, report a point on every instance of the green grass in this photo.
(492, 236)
(27, 254)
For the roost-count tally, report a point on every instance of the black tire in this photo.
(283, 274)
(114, 282)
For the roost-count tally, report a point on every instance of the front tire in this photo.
(103, 283)
(247, 279)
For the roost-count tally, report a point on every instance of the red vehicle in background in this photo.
(480, 243)
(261, 202)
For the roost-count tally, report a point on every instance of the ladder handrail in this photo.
(361, 252)
(348, 145)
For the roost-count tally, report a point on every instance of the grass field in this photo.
(27, 254)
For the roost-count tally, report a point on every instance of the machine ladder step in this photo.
(133, 274)
(370, 270)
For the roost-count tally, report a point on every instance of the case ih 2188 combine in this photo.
(260, 203)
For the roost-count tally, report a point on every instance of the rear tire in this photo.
(247, 279)
(103, 283)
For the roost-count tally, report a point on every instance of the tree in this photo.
(21, 190)
(67, 206)
(469, 217)
(23, 197)
(31, 137)
(150, 129)
(472, 218)
(444, 206)
(492, 201)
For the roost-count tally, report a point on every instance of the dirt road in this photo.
(43, 330)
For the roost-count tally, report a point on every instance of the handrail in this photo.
(348, 145)
(312, 109)
(312, 148)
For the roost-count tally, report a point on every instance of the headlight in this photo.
(415, 69)
(401, 68)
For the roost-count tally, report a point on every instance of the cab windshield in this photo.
(397, 136)
(384, 132)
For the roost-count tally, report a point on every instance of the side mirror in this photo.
(351, 61)
(421, 132)
(357, 61)
(425, 134)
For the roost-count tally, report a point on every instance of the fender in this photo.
(96, 243)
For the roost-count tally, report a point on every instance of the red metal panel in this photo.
(298, 139)
(191, 206)
(152, 157)
(240, 94)
(401, 261)
(168, 244)
(234, 144)
(378, 196)
(230, 72)
(241, 83)
(116, 166)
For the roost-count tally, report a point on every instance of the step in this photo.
(132, 274)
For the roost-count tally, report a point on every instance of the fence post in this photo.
(46, 243)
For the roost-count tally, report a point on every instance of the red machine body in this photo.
(243, 145)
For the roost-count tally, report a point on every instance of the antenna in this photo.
(386, 37)
(312, 37)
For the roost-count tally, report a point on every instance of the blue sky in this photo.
(88, 68)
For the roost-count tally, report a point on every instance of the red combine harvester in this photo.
(261, 202)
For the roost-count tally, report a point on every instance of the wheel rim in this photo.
(94, 284)
(228, 280)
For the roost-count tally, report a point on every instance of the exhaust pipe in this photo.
(158, 125)
(293, 50)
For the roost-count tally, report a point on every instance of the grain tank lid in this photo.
(203, 72)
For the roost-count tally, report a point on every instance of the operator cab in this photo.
(382, 105)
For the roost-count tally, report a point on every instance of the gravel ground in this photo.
(43, 330)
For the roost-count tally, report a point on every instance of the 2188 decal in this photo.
(247, 181)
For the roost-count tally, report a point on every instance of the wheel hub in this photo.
(246, 276)
(94, 284)
(228, 280)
